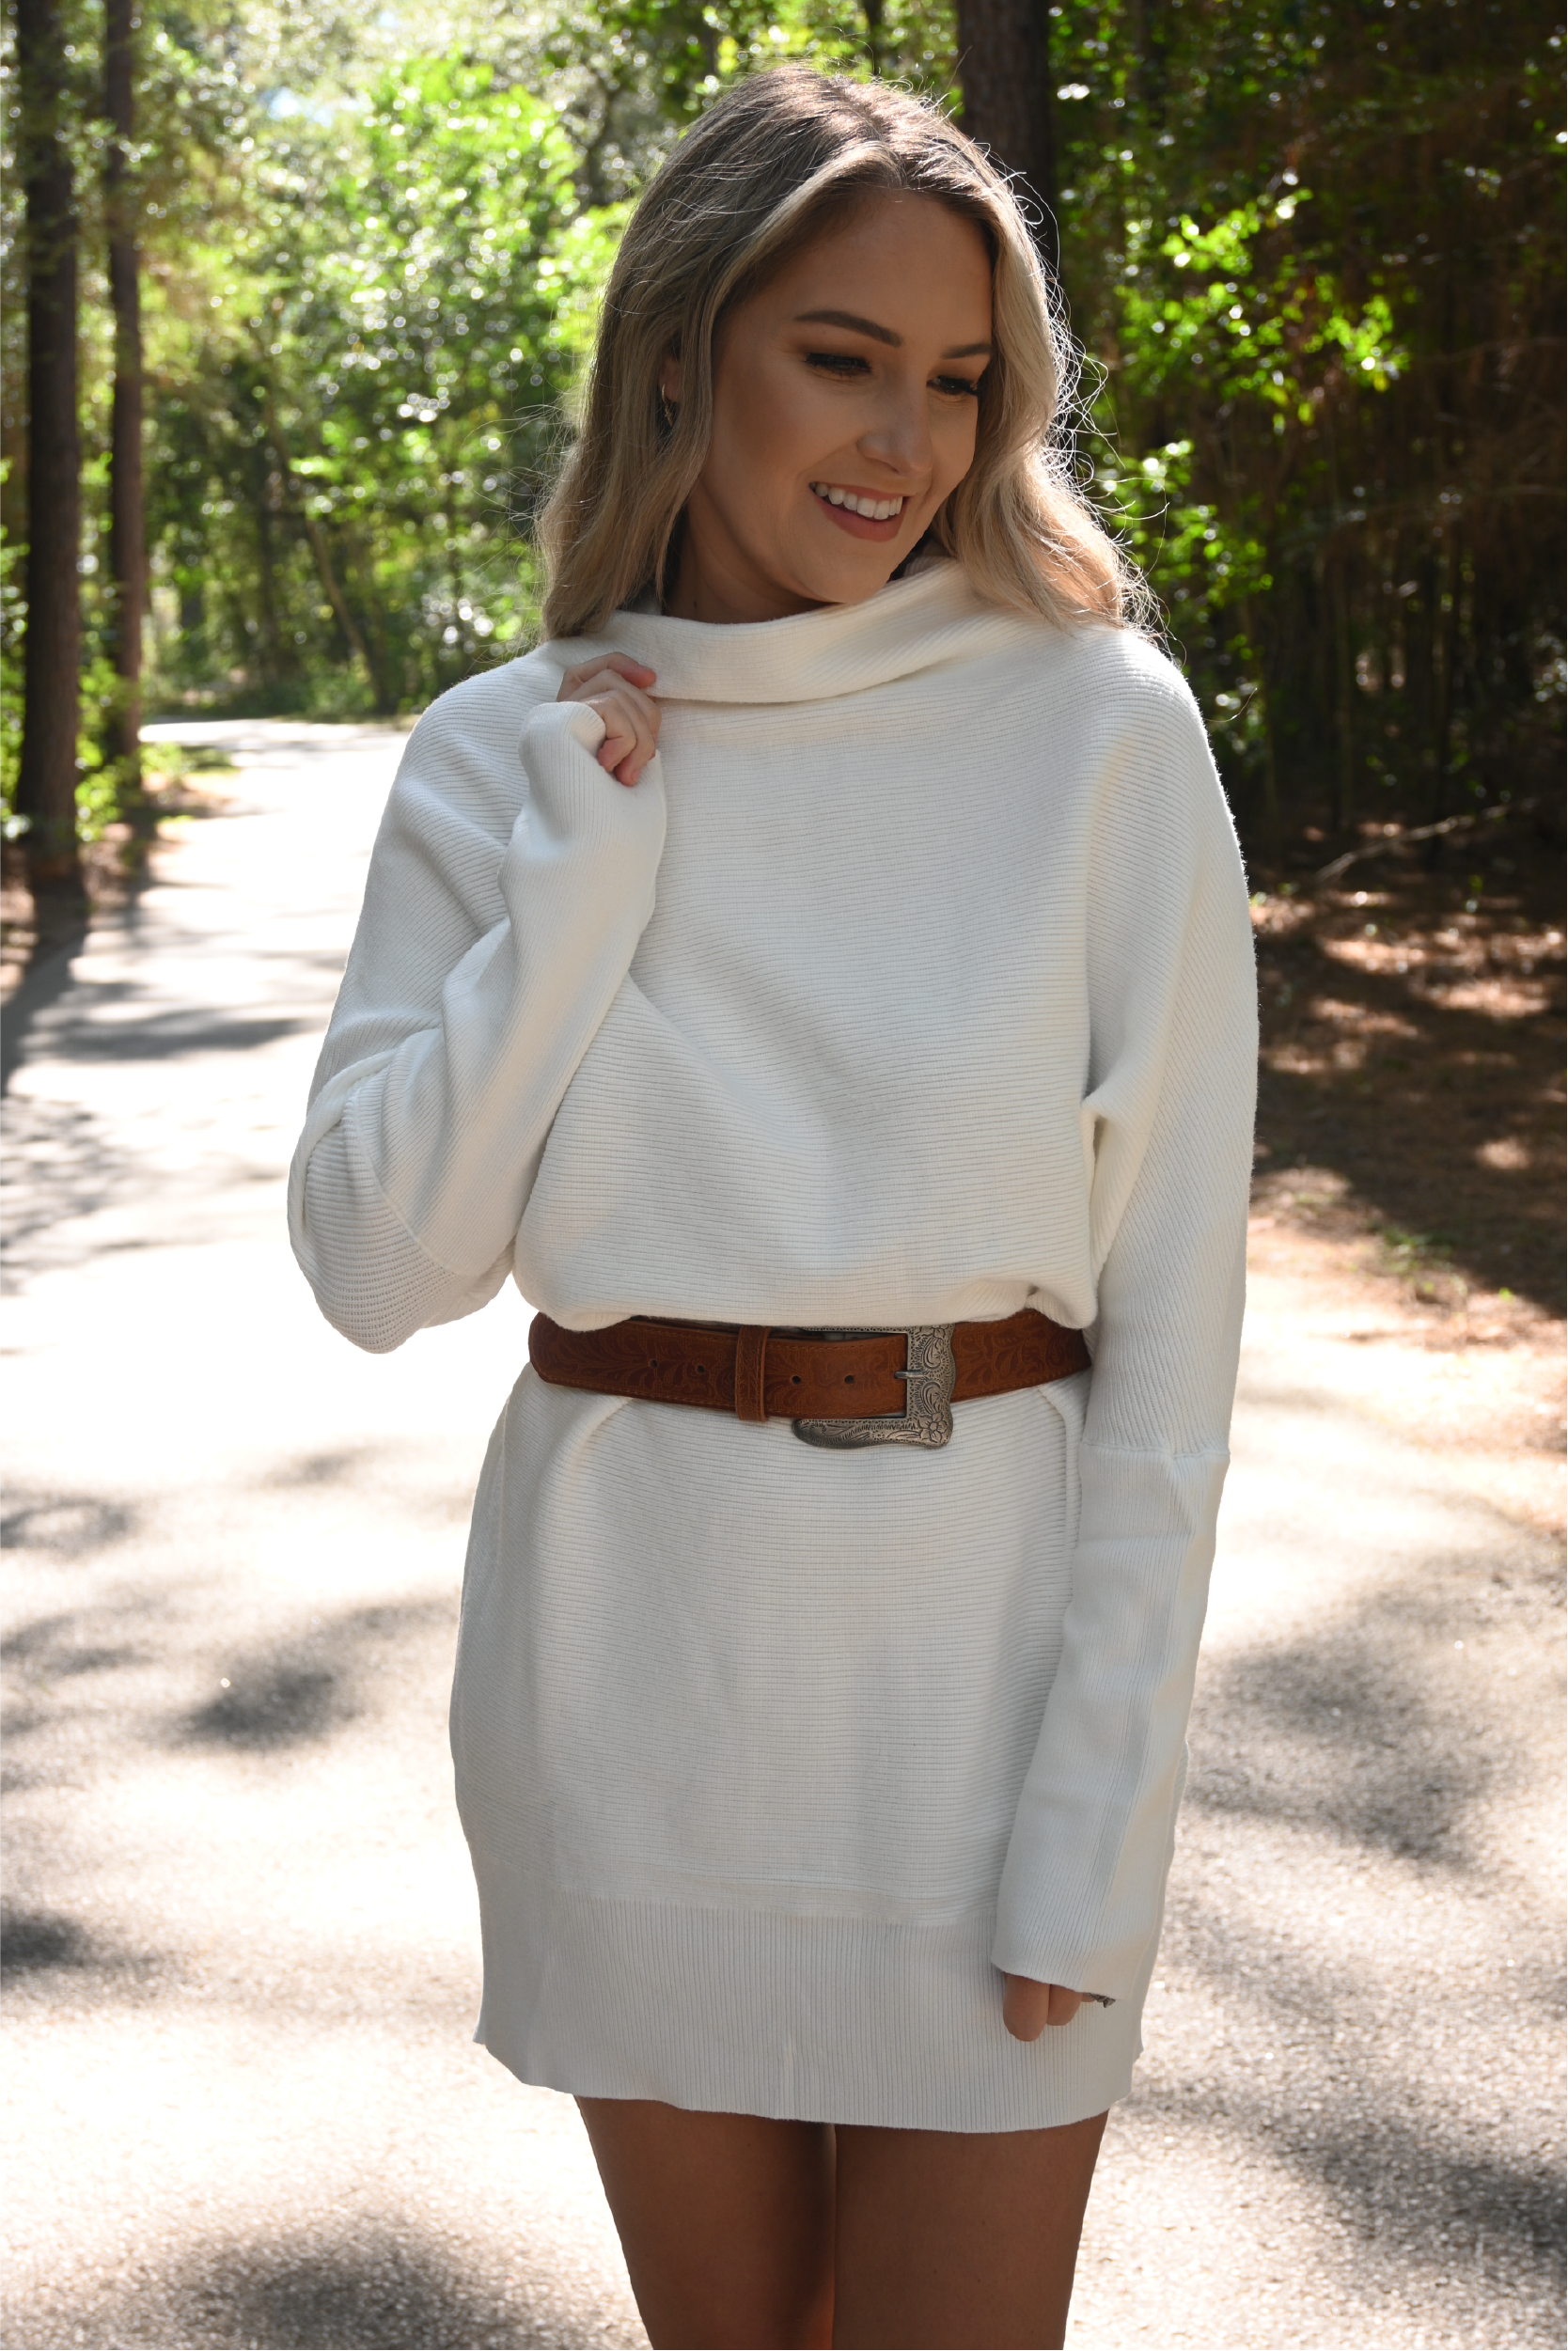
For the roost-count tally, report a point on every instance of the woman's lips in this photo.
(862, 526)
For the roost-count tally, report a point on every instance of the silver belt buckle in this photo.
(926, 1418)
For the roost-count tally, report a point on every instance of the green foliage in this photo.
(375, 403)
(1309, 247)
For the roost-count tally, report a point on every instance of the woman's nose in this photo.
(900, 437)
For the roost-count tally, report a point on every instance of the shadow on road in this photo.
(1356, 1733)
(66, 1526)
(385, 2288)
(165, 1036)
(272, 1705)
(1340, 1901)
(1412, 1054)
(1428, 2202)
(44, 981)
(44, 1943)
(305, 1689)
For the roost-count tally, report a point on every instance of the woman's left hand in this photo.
(1028, 2007)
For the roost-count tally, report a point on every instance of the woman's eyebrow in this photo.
(882, 334)
(856, 326)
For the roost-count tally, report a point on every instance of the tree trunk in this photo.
(1345, 696)
(1445, 640)
(1340, 656)
(1004, 69)
(316, 539)
(1272, 841)
(270, 646)
(1154, 59)
(46, 779)
(127, 537)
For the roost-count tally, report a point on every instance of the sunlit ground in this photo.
(243, 2106)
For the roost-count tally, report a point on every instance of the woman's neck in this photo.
(719, 583)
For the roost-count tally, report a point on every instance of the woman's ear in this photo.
(669, 378)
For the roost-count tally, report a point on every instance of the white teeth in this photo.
(874, 510)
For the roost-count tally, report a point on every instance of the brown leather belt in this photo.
(892, 1385)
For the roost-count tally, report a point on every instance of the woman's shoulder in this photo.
(464, 764)
(1103, 715)
(492, 707)
(1112, 677)
(1146, 760)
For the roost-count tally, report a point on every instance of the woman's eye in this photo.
(956, 384)
(838, 363)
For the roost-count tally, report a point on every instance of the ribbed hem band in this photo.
(832, 2019)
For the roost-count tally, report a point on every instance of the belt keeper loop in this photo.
(751, 1349)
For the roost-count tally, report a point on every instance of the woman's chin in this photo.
(850, 578)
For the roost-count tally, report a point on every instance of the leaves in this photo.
(1310, 250)
(1304, 243)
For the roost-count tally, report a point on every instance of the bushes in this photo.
(1310, 250)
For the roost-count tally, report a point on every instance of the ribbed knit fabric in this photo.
(911, 983)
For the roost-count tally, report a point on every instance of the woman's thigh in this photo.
(954, 2238)
(726, 2221)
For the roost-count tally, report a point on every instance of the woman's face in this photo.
(844, 411)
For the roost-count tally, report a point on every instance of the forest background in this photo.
(1312, 252)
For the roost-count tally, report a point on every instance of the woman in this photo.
(822, 975)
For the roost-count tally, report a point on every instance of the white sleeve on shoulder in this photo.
(1167, 1140)
(508, 890)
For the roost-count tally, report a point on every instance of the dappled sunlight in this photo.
(243, 1948)
(1412, 1049)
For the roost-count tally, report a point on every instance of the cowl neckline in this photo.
(925, 620)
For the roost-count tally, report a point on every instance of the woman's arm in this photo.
(506, 894)
(1168, 1129)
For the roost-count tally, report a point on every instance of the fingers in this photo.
(631, 731)
(616, 687)
(615, 664)
(1028, 2007)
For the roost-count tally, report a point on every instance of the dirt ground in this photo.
(1413, 1068)
(1410, 1137)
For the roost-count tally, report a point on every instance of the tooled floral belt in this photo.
(893, 1384)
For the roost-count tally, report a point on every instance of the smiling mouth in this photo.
(859, 502)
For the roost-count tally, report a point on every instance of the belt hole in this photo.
(849, 1379)
(794, 1379)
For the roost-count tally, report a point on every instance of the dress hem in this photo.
(796, 2017)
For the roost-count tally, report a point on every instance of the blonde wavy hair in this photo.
(778, 161)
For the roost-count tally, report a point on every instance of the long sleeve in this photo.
(1168, 1122)
(506, 894)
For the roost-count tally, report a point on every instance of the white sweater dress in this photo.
(911, 983)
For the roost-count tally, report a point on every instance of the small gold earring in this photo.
(668, 410)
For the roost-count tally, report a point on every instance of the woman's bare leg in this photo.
(726, 2221)
(957, 2238)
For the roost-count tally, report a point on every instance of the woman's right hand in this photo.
(1028, 2007)
(616, 687)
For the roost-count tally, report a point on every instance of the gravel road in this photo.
(242, 1947)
